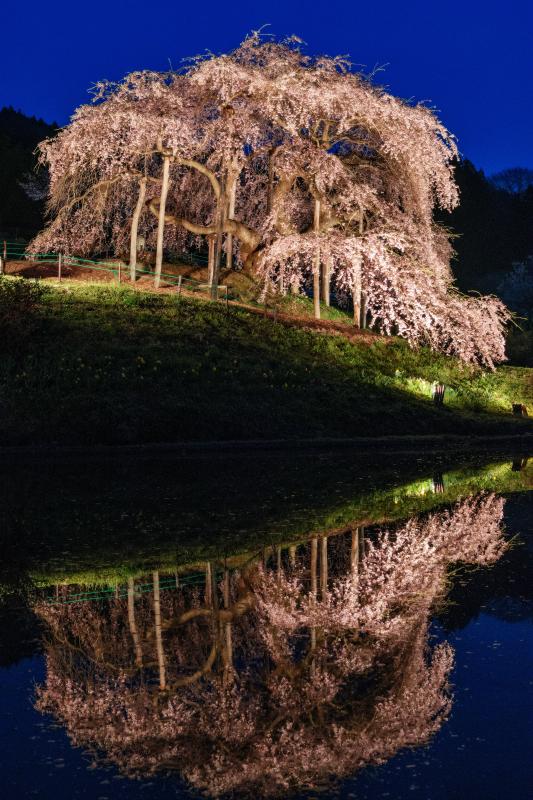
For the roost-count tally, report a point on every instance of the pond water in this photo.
(315, 625)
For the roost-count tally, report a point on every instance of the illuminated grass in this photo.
(113, 365)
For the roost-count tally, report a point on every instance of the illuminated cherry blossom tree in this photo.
(302, 170)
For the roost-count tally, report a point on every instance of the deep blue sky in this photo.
(473, 60)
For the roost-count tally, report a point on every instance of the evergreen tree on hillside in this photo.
(20, 216)
(493, 229)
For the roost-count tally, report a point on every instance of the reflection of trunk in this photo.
(278, 561)
(316, 264)
(324, 566)
(135, 228)
(133, 625)
(292, 555)
(161, 221)
(361, 545)
(158, 636)
(231, 212)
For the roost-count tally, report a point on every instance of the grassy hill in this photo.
(86, 364)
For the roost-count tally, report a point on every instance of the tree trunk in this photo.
(219, 224)
(132, 623)
(326, 281)
(270, 188)
(135, 229)
(356, 294)
(231, 211)
(363, 311)
(316, 265)
(161, 221)
(158, 635)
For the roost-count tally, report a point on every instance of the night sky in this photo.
(472, 60)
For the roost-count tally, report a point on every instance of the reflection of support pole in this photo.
(324, 566)
(278, 561)
(228, 644)
(208, 585)
(314, 560)
(354, 553)
(133, 625)
(292, 555)
(361, 544)
(158, 636)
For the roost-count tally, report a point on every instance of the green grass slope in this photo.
(97, 364)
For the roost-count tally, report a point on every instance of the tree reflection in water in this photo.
(292, 671)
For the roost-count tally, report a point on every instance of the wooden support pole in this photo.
(316, 265)
(210, 259)
(59, 266)
(161, 221)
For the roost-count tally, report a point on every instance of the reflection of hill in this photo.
(98, 523)
(310, 663)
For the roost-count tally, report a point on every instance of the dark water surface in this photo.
(320, 625)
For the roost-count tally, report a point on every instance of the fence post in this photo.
(179, 287)
(59, 265)
(120, 272)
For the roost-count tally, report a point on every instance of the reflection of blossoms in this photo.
(283, 677)
(403, 572)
